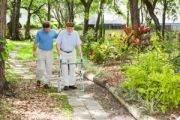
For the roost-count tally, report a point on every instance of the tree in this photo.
(134, 10)
(14, 24)
(60, 12)
(169, 7)
(87, 5)
(49, 10)
(150, 7)
(32, 7)
(70, 6)
(100, 9)
(2, 34)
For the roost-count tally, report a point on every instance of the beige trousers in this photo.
(44, 65)
(68, 75)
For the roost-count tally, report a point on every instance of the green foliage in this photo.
(67, 108)
(35, 26)
(4, 107)
(78, 27)
(54, 25)
(25, 53)
(153, 80)
(176, 62)
(4, 53)
(110, 49)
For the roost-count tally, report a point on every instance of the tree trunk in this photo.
(15, 20)
(164, 17)
(2, 35)
(87, 5)
(134, 13)
(127, 24)
(86, 21)
(150, 8)
(142, 15)
(27, 31)
(70, 5)
(98, 19)
(49, 10)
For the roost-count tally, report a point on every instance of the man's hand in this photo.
(34, 54)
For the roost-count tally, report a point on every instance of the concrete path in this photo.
(84, 105)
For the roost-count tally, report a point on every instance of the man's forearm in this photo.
(80, 50)
(34, 48)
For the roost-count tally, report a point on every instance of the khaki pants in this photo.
(44, 65)
(68, 76)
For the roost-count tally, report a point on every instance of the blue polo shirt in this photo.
(45, 40)
(68, 41)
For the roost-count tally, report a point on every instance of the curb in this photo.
(134, 111)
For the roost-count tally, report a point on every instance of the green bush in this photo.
(153, 80)
(54, 25)
(78, 27)
(35, 26)
(107, 50)
(176, 62)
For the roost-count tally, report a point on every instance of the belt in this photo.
(65, 51)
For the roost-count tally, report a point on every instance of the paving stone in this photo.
(98, 114)
(92, 104)
(75, 102)
(81, 113)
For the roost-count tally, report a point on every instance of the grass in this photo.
(62, 101)
(25, 51)
(4, 107)
(11, 75)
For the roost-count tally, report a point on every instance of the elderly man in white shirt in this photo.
(67, 41)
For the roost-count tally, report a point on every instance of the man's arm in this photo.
(58, 49)
(36, 42)
(80, 51)
(34, 50)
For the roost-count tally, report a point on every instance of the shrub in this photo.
(153, 80)
(78, 27)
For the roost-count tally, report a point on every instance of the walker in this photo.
(79, 73)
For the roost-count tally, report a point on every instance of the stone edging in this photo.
(136, 113)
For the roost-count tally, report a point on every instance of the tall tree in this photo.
(100, 10)
(87, 5)
(70, 6)
(2, 35)
(170, 7)
(134, 10)
(49, 10)
(15, 25)
(32, 7)
(151, 7)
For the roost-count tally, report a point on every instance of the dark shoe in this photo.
(38, 83)
(73, 87)
(66, 88)
(46, 86)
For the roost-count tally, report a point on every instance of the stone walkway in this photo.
(84, 105)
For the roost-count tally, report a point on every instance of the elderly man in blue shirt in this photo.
(43, 49)
(67, 41)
